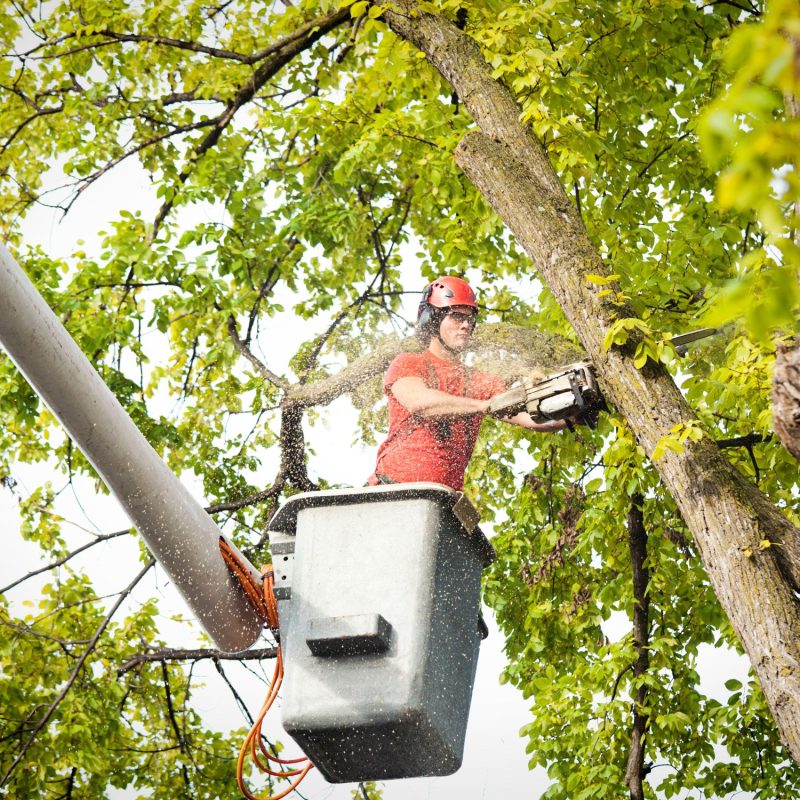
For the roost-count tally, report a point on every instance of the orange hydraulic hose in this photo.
(263, 600)
(254, 591)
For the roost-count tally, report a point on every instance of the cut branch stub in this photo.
(748, 547)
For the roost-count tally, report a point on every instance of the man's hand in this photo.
(525, 420)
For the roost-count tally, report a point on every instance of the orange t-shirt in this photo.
(435, 449)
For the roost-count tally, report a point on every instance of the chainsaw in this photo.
(570, 393)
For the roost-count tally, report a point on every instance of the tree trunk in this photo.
(786, 397)
(636, 771)
(786, 378)
(750, 550)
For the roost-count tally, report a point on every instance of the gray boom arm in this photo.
(173, 524)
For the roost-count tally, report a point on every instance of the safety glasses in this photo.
(463, 316)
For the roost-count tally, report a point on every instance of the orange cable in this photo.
(264, 602)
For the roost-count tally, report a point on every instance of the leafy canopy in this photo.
(299, 162)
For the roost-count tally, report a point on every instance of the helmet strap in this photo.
(449, 349)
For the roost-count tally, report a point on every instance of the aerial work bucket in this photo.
(379, 608)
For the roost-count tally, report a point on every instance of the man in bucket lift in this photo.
(436, 402)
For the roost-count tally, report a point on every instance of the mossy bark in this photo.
(750, 550)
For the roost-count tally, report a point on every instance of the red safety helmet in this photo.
(443, 293)
(449, 291)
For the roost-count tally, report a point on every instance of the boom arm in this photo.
(173, 524)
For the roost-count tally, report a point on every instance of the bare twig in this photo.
(174, 722)
(116, 37)
(321, 340)
(617, 680)
(40, 726)
(268, 284)
(173, 654)
(236, 696)
(60, 561)
(64, 644)
(260, 366)
(248, 500)
(16, 132)
(643, 171)
(85, 183)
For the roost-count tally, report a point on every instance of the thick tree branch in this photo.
(293, 448)
(750, 550)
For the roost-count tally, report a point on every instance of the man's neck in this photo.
(437, 349)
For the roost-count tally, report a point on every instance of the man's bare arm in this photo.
(422, 401)
(524, 420)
